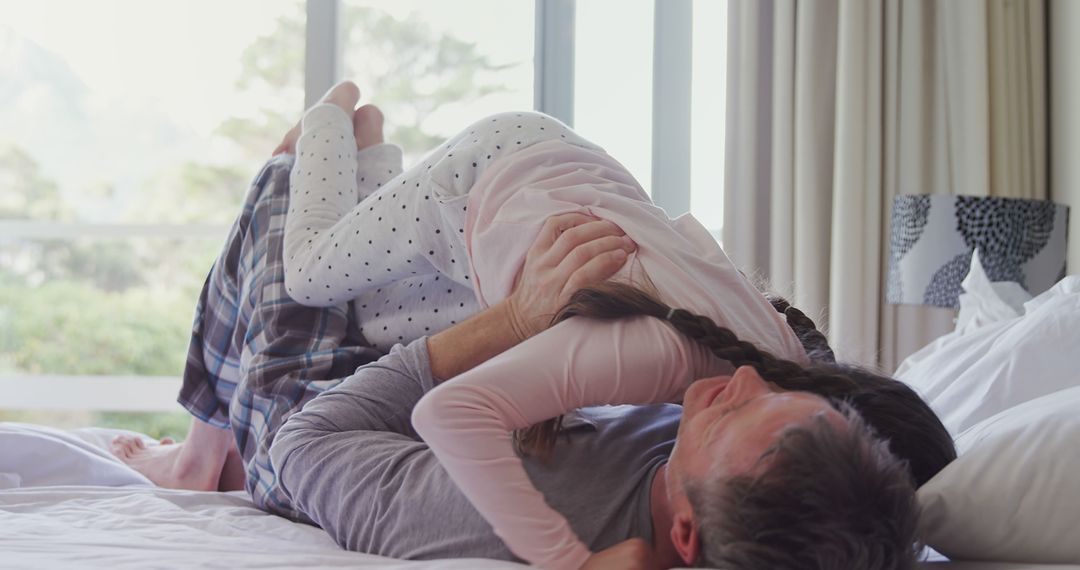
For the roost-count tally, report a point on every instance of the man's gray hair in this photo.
(822, 497)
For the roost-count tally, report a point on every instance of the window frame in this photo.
(553, 93)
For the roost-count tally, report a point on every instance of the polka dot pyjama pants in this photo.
(392, 242)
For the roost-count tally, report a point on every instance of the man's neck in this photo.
(660, 508)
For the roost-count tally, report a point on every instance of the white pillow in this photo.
(969, 376)
(1014, 492)
(35, 456)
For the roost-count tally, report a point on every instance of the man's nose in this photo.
(748, 383)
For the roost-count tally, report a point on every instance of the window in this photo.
(126, 148)
(433, 67)
(129, 147)
(707, 110)
(613, 80)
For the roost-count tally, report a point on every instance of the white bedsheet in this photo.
(131, 524)
(34, 456)
(119, 528)
(139, 528)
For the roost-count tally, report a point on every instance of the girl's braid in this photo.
(892, 408)
(724, 344)
(814, 341)
(617, 300)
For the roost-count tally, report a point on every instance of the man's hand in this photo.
(573, 251)
(633, 554)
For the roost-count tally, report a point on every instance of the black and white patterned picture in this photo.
(909, 215)
(932, 239)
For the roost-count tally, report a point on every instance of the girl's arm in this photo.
(467, 421)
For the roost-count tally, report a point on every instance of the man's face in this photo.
(729, 421)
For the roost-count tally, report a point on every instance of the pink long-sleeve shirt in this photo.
(467, 422)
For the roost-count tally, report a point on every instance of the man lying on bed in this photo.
(356, 467)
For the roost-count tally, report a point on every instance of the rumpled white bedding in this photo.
(66, 502)
(82, 522)
(148, 527)
(33, 455)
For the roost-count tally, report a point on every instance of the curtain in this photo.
(836, 106)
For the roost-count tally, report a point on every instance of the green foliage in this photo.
(196, 194)
(411, 72)
(276, 60)
(157, 426)
(402, 65)
(27, 193)
(65, 327)
(154, 424)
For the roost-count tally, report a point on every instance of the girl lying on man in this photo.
(782, 457)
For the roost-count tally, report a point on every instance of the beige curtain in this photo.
(836, 106)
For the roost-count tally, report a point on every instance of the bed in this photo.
(1005, 383)
(139, 528)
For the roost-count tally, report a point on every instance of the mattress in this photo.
(146, 527)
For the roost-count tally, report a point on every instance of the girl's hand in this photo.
(573, 251)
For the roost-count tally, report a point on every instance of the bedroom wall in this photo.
(1064, 121)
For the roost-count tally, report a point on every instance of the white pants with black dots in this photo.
(405, 261)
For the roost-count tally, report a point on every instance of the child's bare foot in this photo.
(345, 95)
(368, 126)
(167, 464)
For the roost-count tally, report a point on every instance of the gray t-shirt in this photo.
(351, 461)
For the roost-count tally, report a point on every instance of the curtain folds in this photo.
(836, 106)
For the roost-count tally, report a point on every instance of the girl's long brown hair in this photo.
(892, 409)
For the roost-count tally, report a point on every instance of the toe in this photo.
(368, 115)
(119, 450)
(167, 441)
(344, 94)
(349, 89)
(368, 126)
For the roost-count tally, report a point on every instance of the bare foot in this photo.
(168, 464)
(345, 95)
(368, 126)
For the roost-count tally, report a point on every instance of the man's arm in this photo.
(351, 443)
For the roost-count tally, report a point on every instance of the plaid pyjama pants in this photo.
(256, 356)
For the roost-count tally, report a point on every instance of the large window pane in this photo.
(125, 110)
(708, 108)
(435, 66)
(613, 80)
(99, 306)
(156, 425)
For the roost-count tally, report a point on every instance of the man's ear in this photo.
(684, 536)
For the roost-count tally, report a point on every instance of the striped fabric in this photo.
(256, 356)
